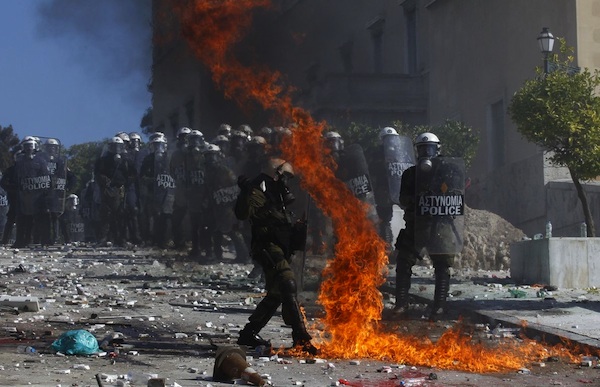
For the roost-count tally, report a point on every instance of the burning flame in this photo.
(349, 293)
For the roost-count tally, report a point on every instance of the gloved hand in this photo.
(243, 182)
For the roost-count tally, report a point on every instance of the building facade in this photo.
(418, 61)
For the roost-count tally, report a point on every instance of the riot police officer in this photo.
(177, 167)
(159, 187)
(112, 173)
(221, 194)
(427, 178)
(263, 201)
(195, 178)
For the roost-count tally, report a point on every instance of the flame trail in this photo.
(349, 293)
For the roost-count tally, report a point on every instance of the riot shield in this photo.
(440, 208)
(195, 178)
(57, 166)
(223, 191)
(34, 184)
(398, 154)
(353, 170)
(74, 225)
(164, 186)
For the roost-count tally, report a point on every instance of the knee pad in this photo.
(288, 286)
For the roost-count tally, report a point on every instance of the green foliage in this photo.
(81, 159)
(457, 139)
(560, 112)
(8, 139)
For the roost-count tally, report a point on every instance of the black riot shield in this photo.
(195, 178)
(74, 225)
(399, 154)
(223, 191)
(440, 208)
(34, 184)
(353, 170)
(57, 166)
(164, 186)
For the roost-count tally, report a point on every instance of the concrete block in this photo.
(562, 262)
(27, 304)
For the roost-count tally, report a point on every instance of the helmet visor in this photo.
(427, 150)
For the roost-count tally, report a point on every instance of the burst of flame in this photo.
(349, 293)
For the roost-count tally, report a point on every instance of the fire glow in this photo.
(349, 293)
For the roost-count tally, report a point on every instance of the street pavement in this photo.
(158, 314)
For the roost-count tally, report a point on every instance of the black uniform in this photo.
(407, 255)
(112, 174)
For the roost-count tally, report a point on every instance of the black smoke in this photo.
(110, 38)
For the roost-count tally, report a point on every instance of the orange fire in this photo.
(349, 293)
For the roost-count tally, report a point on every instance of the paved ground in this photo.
(157, 314)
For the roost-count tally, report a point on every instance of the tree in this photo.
(81, 159)
(457, 139)
(8, 139)
(560, 112)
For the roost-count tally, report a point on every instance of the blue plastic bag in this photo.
(77, 342)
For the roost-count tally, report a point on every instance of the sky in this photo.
(75, 70)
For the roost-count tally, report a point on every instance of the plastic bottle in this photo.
(583, 230)
(548, 230)
(27, 349)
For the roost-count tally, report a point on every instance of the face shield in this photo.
(117, 148)
(427, 150)
(29, 148)
(159, 148)
(51, 150)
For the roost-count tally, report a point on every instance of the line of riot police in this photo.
(34, 194)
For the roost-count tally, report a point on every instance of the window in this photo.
(376, 28)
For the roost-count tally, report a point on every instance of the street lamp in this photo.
(546, 41)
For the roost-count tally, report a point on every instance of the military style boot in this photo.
(300, 335)
(403, 278)
(442, 286)
(260, 317)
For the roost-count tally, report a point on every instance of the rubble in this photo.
(165, 317)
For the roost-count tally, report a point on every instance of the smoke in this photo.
(110, 38)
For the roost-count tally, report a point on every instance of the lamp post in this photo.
(546, 41)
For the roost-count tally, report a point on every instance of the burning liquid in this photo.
(349, 293)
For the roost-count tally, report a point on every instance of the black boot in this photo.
(300, 336)
(442, 286)
(260, 317)
(403, 278)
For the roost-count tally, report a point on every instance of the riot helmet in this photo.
(212, 154)
(72, 201)
(123, 136)
(222, 142)
(116, 146)
(238, 140)
(387, 131)
(267, 133)
(154, 135)
(135, 141)
(52, 148)
(159, 146)
(224, 130)
(245, 128)
(427, 146)
(29, 146)
(257, 146)
(195, 140)
(281, 171)
(334, 141)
